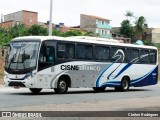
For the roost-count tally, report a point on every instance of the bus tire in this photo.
(35, 90)
(99, 89)
(62, 86)
(125, 84)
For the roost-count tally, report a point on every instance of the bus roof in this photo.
(84, 39)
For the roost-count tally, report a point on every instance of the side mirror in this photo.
(7, 45)
(2, 52)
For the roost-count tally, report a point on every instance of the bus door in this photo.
(45, 63)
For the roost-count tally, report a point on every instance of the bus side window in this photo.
(46, 55)
(42, 57)
(66, 51)
(61, 48)
(84, 52)
(81, 52)
(101, 53)
(70, 51)
(50, 54)
(89, 52)
(144, 56)
(133, 55)
(152, 57)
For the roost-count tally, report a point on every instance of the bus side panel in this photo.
(85, 77)
(149, 79)
(140, 75)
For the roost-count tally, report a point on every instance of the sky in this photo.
(68, 11)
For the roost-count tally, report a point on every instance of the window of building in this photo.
(102, 31)
(97, 31)
(97, 21)
(102, 22)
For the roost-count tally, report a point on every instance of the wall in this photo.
(25, 17)
(156, 35)
(17, 16)
(30, 18)
(88, 23)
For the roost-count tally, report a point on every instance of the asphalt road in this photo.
(17, 98)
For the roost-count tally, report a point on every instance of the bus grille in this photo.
(17, 84)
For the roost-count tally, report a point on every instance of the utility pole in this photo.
(50, 21)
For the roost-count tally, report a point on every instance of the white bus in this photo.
(50, 62)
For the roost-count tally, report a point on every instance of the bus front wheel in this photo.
(35, 90)
(62, 86)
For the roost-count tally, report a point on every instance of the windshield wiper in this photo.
(12, 59)
(23, 59)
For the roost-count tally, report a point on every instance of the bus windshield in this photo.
(22, 57)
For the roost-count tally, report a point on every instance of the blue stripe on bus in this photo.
(113, 72)
(146, 80)
(114, 83)
(123, 69)
(97, 81)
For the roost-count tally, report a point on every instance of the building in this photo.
(25, 17)
(99, 26)
(62, 28)
(152, 35)
(29, 18)
(121, 38)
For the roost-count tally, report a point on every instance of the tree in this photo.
(126, 29)
(56, 32)
(37, 30)
(18, 30)
(72, 33)
(129, 15)
(4, 36)
(140, 27)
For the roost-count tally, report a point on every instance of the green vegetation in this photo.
(126, 29)
(6, 35)
(37, 30)
(135, 30)
(71, 33)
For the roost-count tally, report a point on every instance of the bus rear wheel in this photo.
(125, 84)
(99, 89)
(62, 87)
(35, 90)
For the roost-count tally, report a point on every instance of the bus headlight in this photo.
(30, 75)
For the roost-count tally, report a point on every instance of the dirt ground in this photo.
(1, 69)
